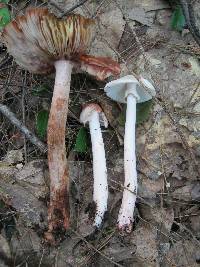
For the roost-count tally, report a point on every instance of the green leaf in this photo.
(4, 14)
(142, 109)
(81, 145)
(122, 117)
(178, 19)
(41, 122)
(41, 90)
(2, 204)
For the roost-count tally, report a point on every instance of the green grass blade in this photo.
(81, 144)
(4, 14)
(41, 123)
(178, 19)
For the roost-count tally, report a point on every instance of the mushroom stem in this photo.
(59, 212)
(125, 217)
(100, 193)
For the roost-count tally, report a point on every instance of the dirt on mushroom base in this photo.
(167, 227)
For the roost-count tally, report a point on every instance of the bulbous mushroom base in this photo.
(126, 216)
(126, 228)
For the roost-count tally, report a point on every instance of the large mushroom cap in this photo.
(38, 38)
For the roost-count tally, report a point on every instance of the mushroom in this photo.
(40, 43)
(93, 114)
(129, 90)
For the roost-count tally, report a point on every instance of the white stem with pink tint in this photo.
(58, 213)
(100, 193)
(125, 217)
(129, 90)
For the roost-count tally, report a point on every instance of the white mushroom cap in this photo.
(120, 88)
(88, 110)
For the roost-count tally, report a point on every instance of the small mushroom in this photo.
(93, 114)
(129, 90)
(40, 43)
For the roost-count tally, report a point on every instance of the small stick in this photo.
(29, 135)
(23, 114)
(188, 12)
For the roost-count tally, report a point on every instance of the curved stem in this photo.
(100, 193)
(59, 213)
(125, 217)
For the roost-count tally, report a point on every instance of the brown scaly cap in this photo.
(38, 38)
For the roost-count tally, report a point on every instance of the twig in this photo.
(95, 249)
(23, 114)
(186, 49)
(8, 80)
(4, 62)
(85, 260)
(29, 135)
(183, 227)
(42, 256)
(188, 11)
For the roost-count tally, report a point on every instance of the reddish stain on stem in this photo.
(59, 210)
(59, 207)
